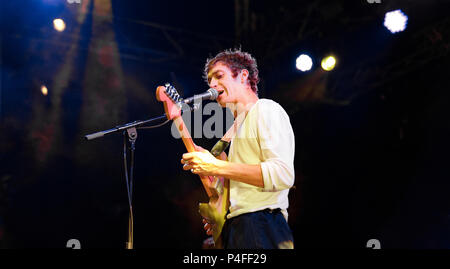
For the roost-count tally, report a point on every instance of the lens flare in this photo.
(328, 63)
(44, 90)
(395, 21)
(59, 25)
(303, 63)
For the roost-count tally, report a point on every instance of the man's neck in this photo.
(244, 104)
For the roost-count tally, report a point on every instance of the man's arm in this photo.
(277, 141)
(204, 163)
(245, 173)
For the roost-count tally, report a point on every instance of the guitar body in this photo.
(216, 188)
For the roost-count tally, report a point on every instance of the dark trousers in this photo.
(266, 229)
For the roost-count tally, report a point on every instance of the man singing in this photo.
(260, 163)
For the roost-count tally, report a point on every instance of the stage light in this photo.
(59, 25)
(395, 21)
(328, 63)
(44, 90)
(303, 63)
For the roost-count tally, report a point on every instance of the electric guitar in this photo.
(217, 188)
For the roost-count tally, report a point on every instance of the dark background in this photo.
(371, 135)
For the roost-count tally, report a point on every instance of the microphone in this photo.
(210, 94)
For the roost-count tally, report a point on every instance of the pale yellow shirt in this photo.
(265, 137)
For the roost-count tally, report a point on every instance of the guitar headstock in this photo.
(171, 99)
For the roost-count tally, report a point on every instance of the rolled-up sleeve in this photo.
(277, 143)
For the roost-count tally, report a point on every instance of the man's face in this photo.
(221, 78)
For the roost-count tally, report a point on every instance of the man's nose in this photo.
(213, 83)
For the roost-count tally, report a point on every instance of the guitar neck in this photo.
(184, 132)
(190, 146)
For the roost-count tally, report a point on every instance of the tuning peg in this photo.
(172, 93)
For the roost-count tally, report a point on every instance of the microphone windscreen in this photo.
(214, 93)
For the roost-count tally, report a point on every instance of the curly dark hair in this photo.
(236, 60)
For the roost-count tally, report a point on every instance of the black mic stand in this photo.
(130, 134)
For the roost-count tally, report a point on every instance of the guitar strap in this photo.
(219, 147)
(225, 141)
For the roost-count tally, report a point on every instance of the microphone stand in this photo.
(130, 132)
(122, 127)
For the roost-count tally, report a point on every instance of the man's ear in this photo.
(244, 75)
